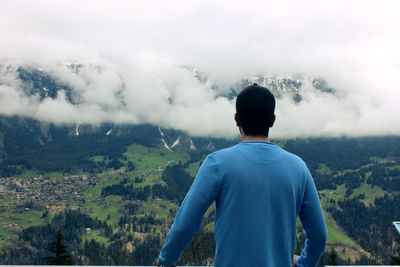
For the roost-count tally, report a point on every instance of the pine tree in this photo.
(60, 254)
(332, 257)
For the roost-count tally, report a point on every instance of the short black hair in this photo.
(255, 107)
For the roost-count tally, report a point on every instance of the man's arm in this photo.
(202, 193)
(312, 219)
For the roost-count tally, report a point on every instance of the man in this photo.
(259, 190)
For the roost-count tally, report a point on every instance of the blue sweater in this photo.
(259, 190)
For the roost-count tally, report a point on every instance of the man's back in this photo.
(261, 195)
(259, 191)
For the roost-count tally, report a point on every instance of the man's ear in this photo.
(273, 120)
(237, 119)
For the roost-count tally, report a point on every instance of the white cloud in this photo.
(353, 44)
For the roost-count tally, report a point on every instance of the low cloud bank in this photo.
(132, 55)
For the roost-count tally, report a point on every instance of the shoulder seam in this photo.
(212, 156)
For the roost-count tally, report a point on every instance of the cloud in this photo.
(140, 46)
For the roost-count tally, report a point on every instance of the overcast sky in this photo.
(354, 45)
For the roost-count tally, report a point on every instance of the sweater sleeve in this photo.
(313, 222)
(202, 193)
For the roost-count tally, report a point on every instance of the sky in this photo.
(141, 46)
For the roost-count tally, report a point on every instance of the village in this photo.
(41, 192)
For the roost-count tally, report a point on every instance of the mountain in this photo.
(36, 81)
(280, 85)
(22, 138)
(113, 189)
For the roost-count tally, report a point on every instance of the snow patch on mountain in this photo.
(177, 141)
(46, 91)
(165, 145)
(210, 146)
(192, 146)
(77, 130)
(161, 133)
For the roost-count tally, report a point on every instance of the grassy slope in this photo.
(94, 234)
(146, 159)
(193, 168)
(149, 164)
(337, 237)
(159, 207)
(13, 221)
(370, 192)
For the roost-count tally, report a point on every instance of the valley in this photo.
(133, 193)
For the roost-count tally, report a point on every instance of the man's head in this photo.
(255, 107)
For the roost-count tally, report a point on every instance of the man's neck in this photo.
(252, 138)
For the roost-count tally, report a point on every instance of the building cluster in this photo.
(53, 193)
